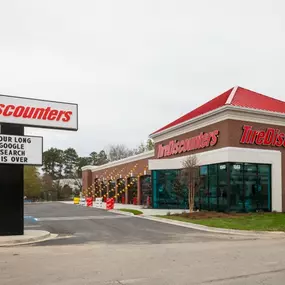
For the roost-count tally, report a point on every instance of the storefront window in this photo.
(222, 190)
(236, 186)
(201, 197)
(227, 186)
(213, 185)
(168, 190)
(264, 187)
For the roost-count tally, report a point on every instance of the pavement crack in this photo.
(243, 276)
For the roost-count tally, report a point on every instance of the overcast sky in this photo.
(134, 66)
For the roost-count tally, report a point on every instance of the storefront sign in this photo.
(269, 137)
(203, 140)
(38, 113)
(21, 150)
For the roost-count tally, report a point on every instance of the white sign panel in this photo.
(38, 113)
(26, 150)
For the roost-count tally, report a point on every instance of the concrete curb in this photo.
(30, 236)
(115, 211)
(211, 229)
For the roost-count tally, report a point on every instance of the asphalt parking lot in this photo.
(96, 247)
(77, 224)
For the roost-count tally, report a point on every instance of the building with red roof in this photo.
(238, 141)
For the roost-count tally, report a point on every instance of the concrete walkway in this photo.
(30, 236)
(146, 211)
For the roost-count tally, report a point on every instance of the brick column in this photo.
(139, 190)
(116, 190)
(108, 189)
(126, 191)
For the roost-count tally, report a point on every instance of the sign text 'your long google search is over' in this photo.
(21, 150)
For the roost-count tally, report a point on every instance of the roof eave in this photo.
(217, 111)
(198, 118)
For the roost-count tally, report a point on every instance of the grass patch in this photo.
(135, 212)
(253, 221)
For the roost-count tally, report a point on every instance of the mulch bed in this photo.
(207, 215)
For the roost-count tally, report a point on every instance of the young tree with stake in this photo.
(190, 174)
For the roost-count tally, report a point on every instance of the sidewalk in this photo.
(30, 236)
(147, 212)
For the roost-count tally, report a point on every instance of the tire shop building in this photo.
(239, 141)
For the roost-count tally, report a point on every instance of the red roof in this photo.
(239, 97)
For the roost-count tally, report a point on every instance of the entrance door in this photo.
(250, 187)
(264, 187)
(223, 187)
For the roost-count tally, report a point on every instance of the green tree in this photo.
(102, 158)
(53, 162)
(149, 144)
(32, 182)
(94, 157)
(82, 161)
(143, 147)
(70, 162)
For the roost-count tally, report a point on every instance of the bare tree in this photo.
(190, 176)
(120, 151)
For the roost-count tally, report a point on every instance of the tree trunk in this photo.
(191, 198)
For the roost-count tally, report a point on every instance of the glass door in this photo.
(250, 187)
(263, 193)
(236, 187)
(222, 192)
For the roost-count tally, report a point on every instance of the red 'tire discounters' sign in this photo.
(173, 147)
(270, 136)
(38, 113)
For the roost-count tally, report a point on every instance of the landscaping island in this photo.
(133, 211)
(236, 221)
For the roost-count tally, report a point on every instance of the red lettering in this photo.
(187, 145)
(260, 138)
(194, 143)
(175, 147)
(27, 112)
(52, 115)
(47, 113)
(19, 111)
(39, 113)
(214, 137)
(7, 112)
(206, 140)
(160, 151)
(67, 116)
(268, 136)
(191, 144)
(170, 148)
(252, 136)
(1, 107)
(280, 140)
(276, 134)
(181, 148)
(60, 114)
(167, 151)
(246, 131)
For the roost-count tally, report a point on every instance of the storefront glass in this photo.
(239, 187)
(168, 191)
